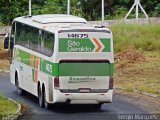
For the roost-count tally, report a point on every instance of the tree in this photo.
(89, 9)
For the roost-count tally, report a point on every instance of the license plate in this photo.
(84, 90)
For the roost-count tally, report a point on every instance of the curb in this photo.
(147, 94)
(138, 91)
(4, 71)
(15, 115)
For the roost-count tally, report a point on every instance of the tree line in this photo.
(89, 9)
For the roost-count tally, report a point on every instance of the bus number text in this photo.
(77, 35)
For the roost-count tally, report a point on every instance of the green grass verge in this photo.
(145, 37)
(7, 107)
(138, 75)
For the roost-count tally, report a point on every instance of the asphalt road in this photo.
(121, 105)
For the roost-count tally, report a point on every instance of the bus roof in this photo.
(53, 22)
(51, 18)
(58, 18)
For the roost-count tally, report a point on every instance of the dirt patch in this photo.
(128, 56)
(4, 64)
(4, 54)
(4, 57)
(131, 56)
(142, 76)
(24, 108)
(4, 29)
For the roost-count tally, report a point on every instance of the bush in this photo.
(157, 10)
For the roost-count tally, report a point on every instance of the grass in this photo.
(138, 75)
(7, 107)
(142, 76)
(145, 37)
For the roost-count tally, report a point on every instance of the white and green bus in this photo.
(61, 59)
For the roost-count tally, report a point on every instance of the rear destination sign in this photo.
(84, 45)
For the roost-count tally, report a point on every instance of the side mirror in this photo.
(11, 43)
(6, 41)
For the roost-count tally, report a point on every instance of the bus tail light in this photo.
(110, 82)
(56, 82)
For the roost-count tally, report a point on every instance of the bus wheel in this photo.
(40, 97)
(46, 104)
(19, 90)
(98, 106)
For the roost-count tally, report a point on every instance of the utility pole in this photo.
(30, 8)
(68, 7)
(102, 10)
(137, 4)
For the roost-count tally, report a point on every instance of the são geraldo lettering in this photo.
(74, 46)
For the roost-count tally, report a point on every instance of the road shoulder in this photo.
(151, 104)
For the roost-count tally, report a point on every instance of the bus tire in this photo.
(40, 97)
(19, 90)
(98, 106)
(46, 104)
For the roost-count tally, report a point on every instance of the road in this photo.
(121, 105)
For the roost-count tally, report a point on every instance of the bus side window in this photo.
(20, 37)
(39, 41)
(47, 43)
(33, 37)
(27, 36)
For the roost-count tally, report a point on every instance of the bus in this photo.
(61, 59)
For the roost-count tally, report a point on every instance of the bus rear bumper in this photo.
(83, 98)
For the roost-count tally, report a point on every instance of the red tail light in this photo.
(111, 83)
(56, 82)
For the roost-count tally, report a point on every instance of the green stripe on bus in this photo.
(30, 60)
(66, 69)
(49, 67)
(86, 69)
(107, 44)
(111, 69)
(24, 57)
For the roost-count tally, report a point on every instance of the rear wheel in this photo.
(46, 104)
(98, 106)
(40, 97)
(19, 90)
